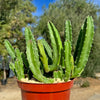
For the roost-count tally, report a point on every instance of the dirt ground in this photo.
(12, 92)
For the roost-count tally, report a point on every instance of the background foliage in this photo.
(14, 15)
(76, 11)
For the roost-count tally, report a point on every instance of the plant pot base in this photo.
(64, 95)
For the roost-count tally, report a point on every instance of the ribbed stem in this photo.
(87, 44)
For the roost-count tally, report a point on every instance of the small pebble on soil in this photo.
(57, 80)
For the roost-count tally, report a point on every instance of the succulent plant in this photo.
(48, 62)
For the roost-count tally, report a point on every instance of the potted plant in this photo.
(47, 66)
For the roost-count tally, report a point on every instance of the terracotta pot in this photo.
(55, 91)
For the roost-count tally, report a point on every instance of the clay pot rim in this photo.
(45, 88)
(46, 83)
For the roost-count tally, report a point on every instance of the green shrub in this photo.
(85, 84)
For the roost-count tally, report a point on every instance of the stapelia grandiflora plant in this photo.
(49, 62)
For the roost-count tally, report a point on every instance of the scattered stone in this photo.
(57, 80)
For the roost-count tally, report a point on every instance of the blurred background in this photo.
(15, 15)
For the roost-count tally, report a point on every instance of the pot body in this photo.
(56, 91)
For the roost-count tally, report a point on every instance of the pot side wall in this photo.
(56, 91)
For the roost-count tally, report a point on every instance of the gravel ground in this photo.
(12, 92)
